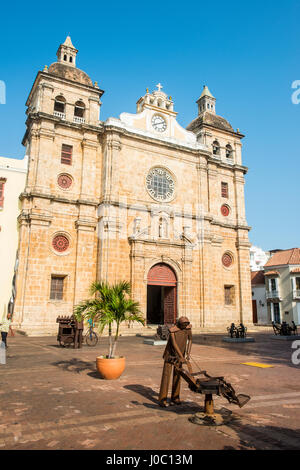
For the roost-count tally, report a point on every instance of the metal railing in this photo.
(272, 294)
(296, 293)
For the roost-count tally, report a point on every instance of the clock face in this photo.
(160, 184)
(158, 123)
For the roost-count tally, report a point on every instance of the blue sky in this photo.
(246, 52)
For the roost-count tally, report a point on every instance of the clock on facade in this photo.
(160, 184)
(158, 123)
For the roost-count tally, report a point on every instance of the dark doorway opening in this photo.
(161, 305)
(254, 311)
(161, 295)
(155, 307)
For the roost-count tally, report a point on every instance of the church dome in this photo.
(210, 119)
(70, 73)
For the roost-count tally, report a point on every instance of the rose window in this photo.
(227, 260)
(64, 181)
(60, 243)
(225, 210)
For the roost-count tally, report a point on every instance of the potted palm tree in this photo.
(111, 306)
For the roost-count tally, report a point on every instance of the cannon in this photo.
(203, 383)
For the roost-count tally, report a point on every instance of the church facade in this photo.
(138, 198)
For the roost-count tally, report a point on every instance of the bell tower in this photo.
(206, 102)
(66, 53)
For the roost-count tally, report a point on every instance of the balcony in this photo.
(78, 120)
(296, 294)
(59, 114)
(273, 294)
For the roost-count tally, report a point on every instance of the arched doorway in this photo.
(161, 295)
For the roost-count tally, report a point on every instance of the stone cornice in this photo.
(243, 244)
(50, 117)
(51, 197)
(151, 139)
(87, 225)
(230, 166)
(35, 218)
(230, 225)
(157, 242)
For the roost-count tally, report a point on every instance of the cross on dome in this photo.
(159, 86)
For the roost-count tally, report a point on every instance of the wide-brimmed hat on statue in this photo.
(183, 320)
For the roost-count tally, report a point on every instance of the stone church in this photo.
(136, 198)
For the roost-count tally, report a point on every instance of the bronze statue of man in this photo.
(178, 349)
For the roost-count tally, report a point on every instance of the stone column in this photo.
(90, 178)
(32, 290)
(85, 267)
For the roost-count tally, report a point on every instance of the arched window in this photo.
(65, 57)
(228, 151)
(59, 106)
(71, 59)
(79, 111)
(216, 148)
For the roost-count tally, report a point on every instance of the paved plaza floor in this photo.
(53, 397)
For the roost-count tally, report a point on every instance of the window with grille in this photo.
(57, 288)
(66, 154)
(224, 189)
(229, 295)
(2, 183)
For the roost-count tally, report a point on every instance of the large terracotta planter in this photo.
(110, 369)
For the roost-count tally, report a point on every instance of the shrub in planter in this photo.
(111, 306)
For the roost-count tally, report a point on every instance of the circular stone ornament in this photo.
(160, 184)
(227, 260)
(225, 210)
(64, 181)
(60, 243)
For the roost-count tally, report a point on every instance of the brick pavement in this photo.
(53, 398)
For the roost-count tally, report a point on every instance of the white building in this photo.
(259, 300)
(12, 182)
(282, 272)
